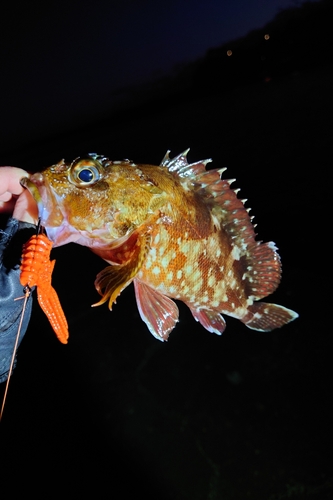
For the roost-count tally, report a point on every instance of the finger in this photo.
(5, 196)
(10, 180)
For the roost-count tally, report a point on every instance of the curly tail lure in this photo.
(36, 270)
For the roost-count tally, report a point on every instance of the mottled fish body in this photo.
(177, 230)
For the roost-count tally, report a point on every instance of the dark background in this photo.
(246, 415)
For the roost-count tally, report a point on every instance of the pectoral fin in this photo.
(113, 279)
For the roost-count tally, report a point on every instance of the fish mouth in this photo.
(49, 212)
(32, 188)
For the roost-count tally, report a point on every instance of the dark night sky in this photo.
(62, 62)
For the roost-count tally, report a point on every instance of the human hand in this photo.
(14, 198)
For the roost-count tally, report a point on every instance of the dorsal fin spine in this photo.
(261, 260)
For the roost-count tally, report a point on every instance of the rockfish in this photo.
(177, 230)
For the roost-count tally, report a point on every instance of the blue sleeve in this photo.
(11, 240)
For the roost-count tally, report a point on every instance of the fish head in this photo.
(92, 200)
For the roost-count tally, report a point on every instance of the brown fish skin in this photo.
(177, 230)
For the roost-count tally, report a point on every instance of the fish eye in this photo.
(86, 175)
(85, 172)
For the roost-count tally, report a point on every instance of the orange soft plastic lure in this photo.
(36, 270)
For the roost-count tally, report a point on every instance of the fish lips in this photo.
(48, 209)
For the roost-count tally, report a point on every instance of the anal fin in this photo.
(158, 311)
(211, 320)
(265, 317)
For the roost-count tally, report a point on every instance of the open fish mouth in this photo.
(48, 210)
(32, 188)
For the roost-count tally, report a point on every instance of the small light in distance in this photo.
(229, 53)
(267, 37)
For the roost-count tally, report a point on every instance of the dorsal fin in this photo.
(261, 262)
(229, 209)
(180, 165)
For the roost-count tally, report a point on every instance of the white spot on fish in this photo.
(188, 270)
(153, 254)
(197, 285)
(179, 274)
(211, 280)
(161, 251)
(157, 239)
(196, 275)
(236, 253)
(233, 284)
(239, 312)
(156, 270)
(165, 261)
(169, 276)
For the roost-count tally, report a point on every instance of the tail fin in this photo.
(266, 317)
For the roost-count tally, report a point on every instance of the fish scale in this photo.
(177, 231)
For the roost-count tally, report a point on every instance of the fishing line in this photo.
(27, 291)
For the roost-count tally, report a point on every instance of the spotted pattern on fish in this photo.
(177, 231)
